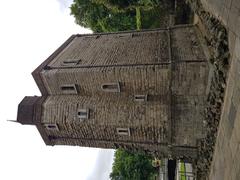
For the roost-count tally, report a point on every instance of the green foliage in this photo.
(153, 18)
(184, 14)
(99, 18)
(132, 166)
(183, 171)
(125, 5)
(114, 5)
(118, 15)
(138, 18)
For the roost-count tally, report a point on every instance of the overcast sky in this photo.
(30, 30)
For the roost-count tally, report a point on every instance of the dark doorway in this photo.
(171, 169)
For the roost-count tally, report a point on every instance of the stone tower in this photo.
(138, 90)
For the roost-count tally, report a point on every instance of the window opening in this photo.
(111, 87)
(123, 131)
(69, 89)
(125, 35)
(140, 98)
(51, 127)
(83, 113)
(71, 62)
(135, 34)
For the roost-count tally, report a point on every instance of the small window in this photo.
(69, 89)
(51, 127)
(88, 37)
(111, 87)
(98, 36)
(126, 35)
(115, 145)
(123, 131)
(71, 62)
(83, 113)
(140, 98)
(136, 34)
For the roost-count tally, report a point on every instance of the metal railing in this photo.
(184, 171)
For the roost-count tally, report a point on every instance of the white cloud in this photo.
(103, 165)
(30, 31)
(64, 4)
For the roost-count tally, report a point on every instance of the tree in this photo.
(119, 15)
(126, 5)
(99, 18)
(122, 15)
(131, 166)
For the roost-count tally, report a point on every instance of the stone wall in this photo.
(147, 121)
(168, 65)
(134, 80)
(149, 47)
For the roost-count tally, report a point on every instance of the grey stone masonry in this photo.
(137, 90)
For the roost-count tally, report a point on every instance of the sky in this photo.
(30, 30)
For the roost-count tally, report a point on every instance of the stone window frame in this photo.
(85, 113)
(111, 87)
(123, 131)
(51, 126)
(72, 62)
(140, 97)
(125, 35)
(69, 89)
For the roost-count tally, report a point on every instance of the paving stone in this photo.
(236, 97)
(224, 14)
(237, 47)
(233, 144)
(219, 174)
(232, 41)
(237, 125)
(227, 150)
(238, 174)
(228, 3)
(232, 115)
(233, 19)
(236, 4)
(236, 162)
